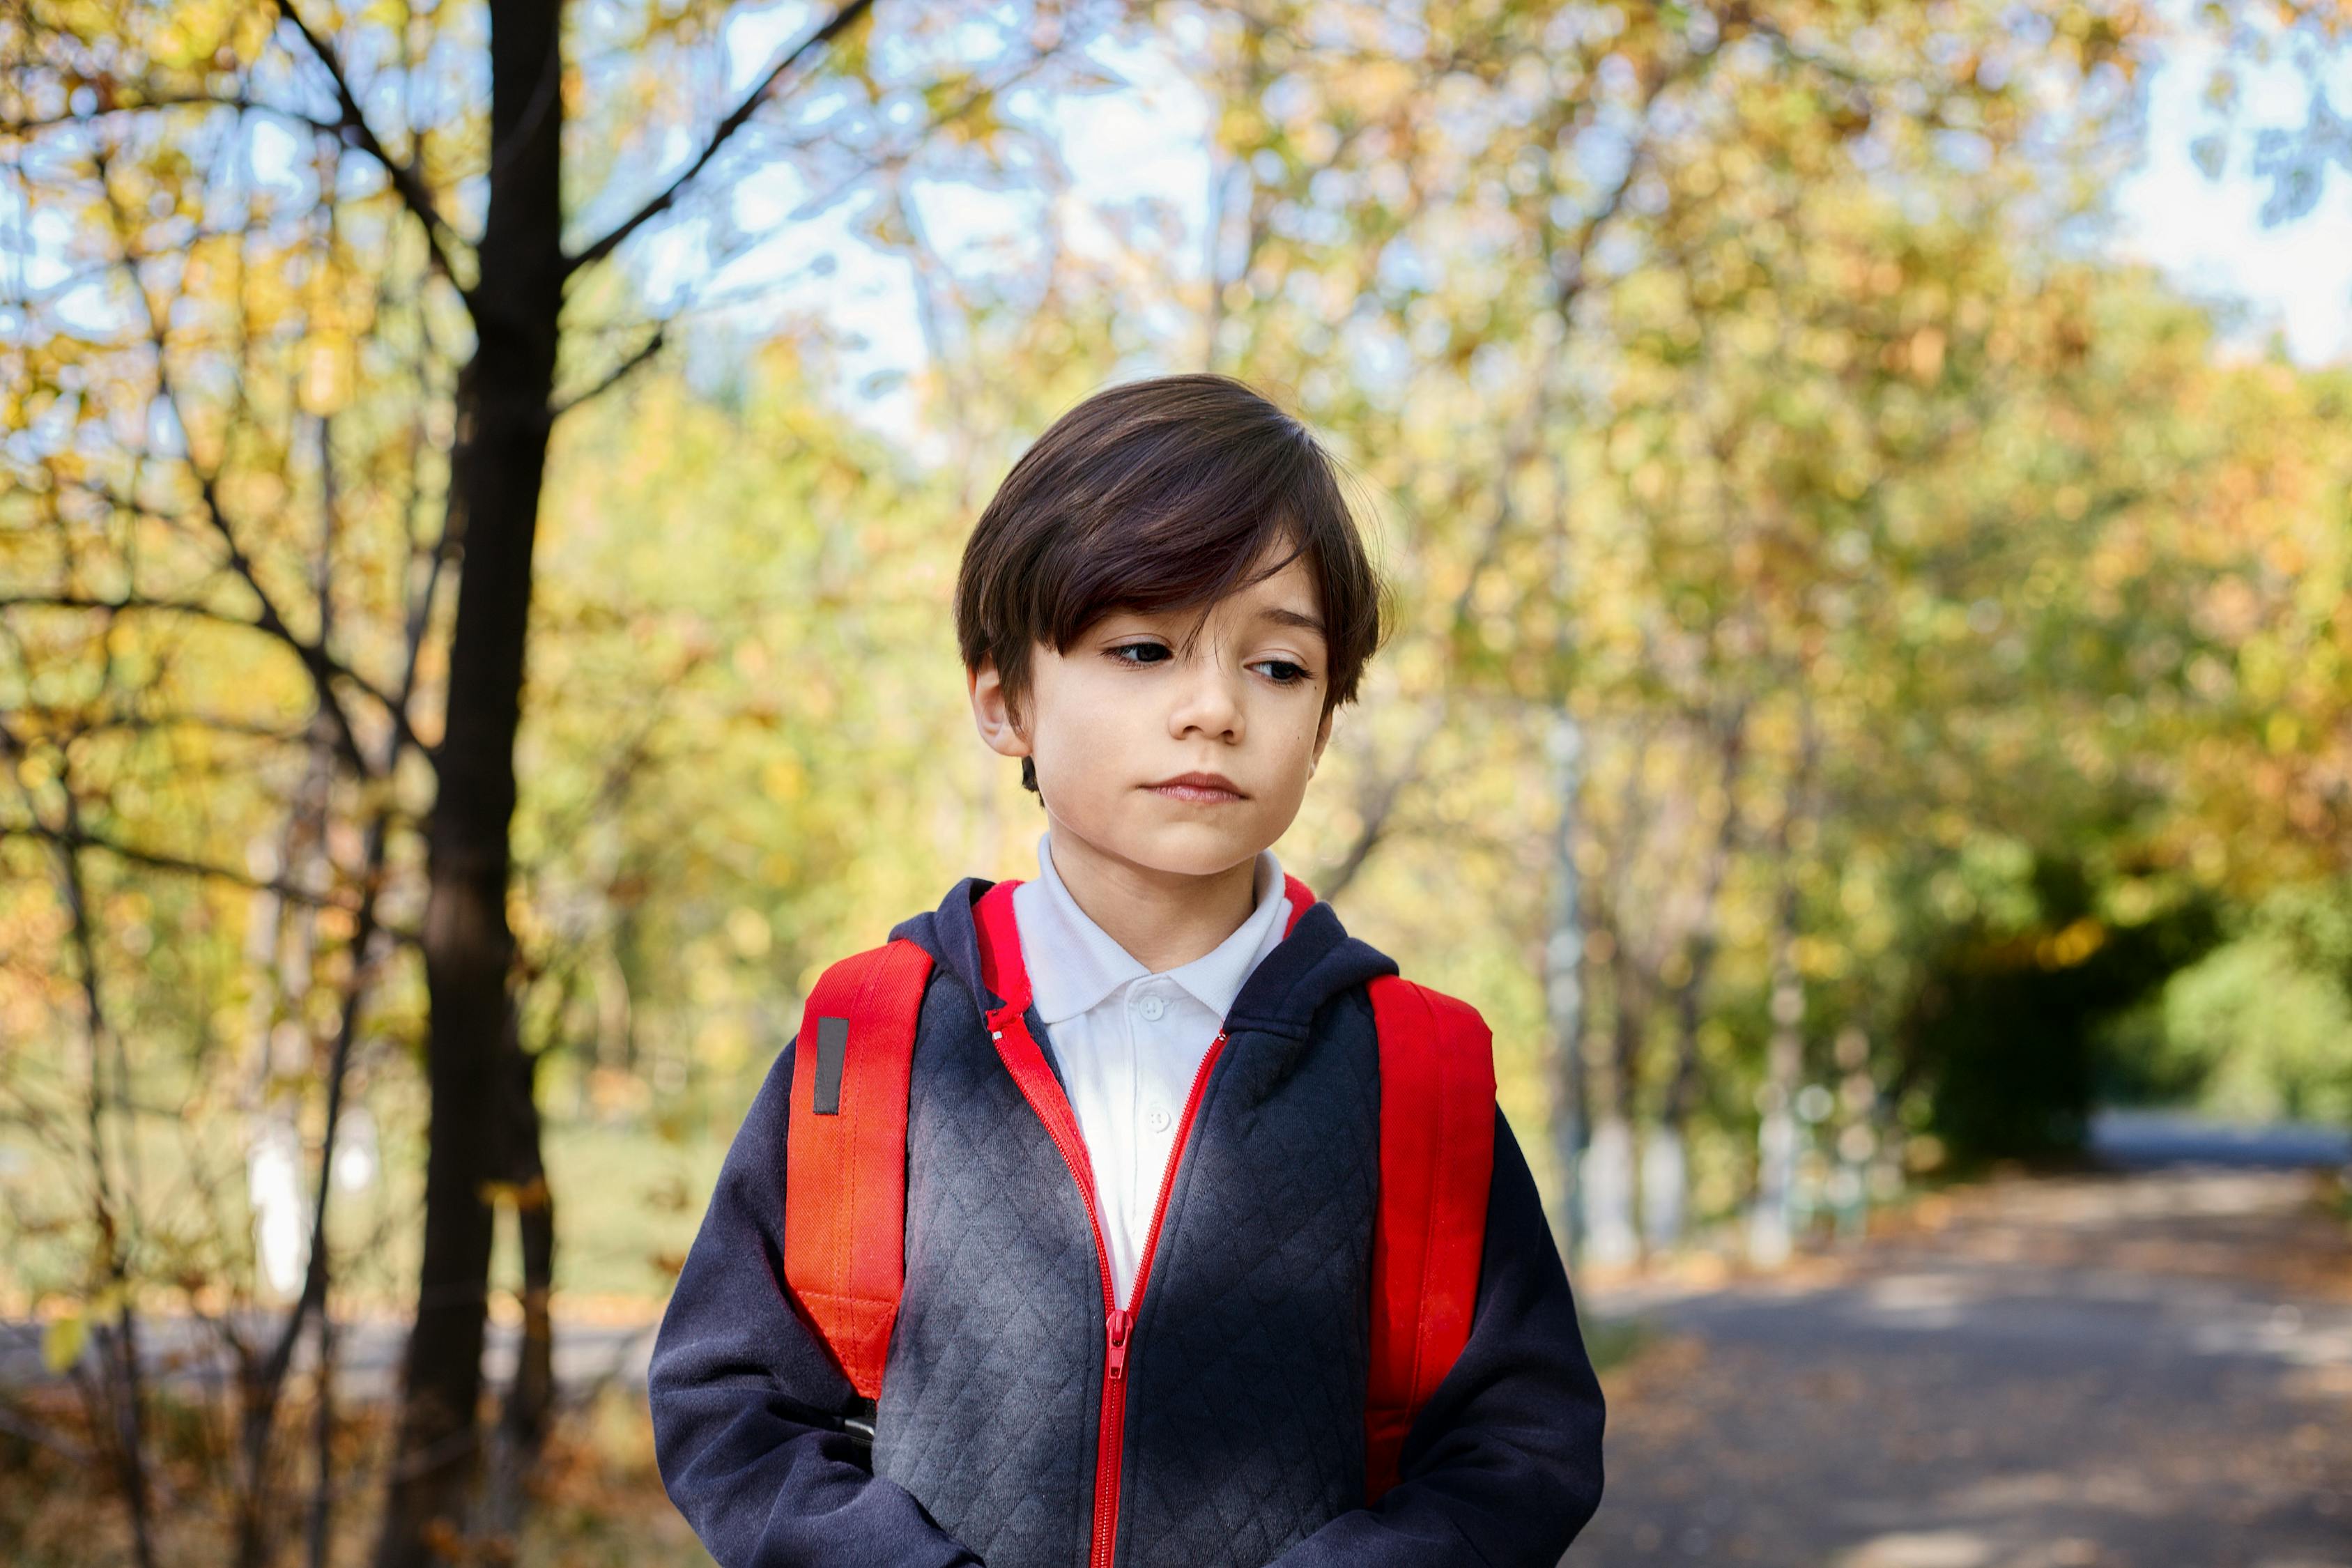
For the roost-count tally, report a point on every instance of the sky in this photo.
(2206, 234)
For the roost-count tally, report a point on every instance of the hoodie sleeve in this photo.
(743, 1393)
(1502, 1467)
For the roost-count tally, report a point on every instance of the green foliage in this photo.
(2259, 1028)
(2001, 1026)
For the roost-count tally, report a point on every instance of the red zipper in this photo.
(1119, 1323)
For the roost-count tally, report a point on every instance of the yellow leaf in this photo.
(62, 1341)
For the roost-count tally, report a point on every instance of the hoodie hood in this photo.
(1314, 963)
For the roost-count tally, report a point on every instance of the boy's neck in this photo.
(1162, 918)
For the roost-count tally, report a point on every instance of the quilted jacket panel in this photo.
(988, 1407)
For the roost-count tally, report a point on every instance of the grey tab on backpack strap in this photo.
(831, 1045)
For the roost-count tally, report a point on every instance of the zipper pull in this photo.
(1120, 1321)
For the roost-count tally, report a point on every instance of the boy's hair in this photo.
(1156, 495)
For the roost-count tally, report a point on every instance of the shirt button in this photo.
(1156, 1119)
(1152, 1007)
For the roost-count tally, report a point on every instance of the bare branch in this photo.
(148, 101)
(129, 602)
(215, 723)
(80, 839)
(407, 179)
(117, 1394)
(644, 353)
(719, 136)
(324, 666)
(266, 1383)
(1378, 802)
(270, 621)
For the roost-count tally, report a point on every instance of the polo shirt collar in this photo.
(1074, 963)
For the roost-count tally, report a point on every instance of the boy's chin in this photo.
(1186, 848)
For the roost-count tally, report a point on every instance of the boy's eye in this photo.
(1281, 671)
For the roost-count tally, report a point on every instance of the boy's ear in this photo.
(998, 725)
(1322, 735)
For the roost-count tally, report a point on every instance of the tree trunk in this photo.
(503, 408)
(531, 1395)
(1564, 985)
(1666, 1183)
(1665, 1159)
(1776, 1132)
(1608, 1165)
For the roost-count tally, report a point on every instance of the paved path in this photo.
(2151, 1366)
(368, 1352)
(2141, 1139)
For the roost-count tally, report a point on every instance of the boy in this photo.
(1133, 1331)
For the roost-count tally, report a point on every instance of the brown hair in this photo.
(1158, 494)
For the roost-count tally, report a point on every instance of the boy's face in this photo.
(1125, 711)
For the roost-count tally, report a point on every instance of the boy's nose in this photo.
(1210, 705)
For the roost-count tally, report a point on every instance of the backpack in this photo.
(846, 1158)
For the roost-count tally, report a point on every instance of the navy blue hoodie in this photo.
(1243, 1442)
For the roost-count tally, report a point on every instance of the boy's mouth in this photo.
(1206, 788)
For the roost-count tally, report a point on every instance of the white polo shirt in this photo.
(1130, 1041)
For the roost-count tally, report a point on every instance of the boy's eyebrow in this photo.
(1282, 616)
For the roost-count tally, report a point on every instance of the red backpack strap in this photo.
(1437, 1158)
(846, 1153)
